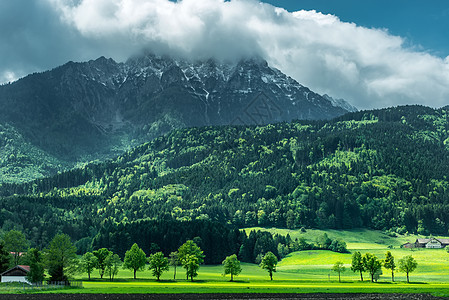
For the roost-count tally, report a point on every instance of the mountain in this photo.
(88, 111)
(341, 103)
(383, 169)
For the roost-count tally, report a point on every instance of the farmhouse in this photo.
(408, 245)
(16, 274)
(431, 243)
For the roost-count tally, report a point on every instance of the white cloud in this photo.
(368, 67)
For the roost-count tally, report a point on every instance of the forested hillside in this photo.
(384, 169)
(21, 161)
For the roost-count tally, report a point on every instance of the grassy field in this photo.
(363, 239)
(299, 272)
(303, 279)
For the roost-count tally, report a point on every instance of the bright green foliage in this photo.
(185, 253)
(112, 263)
(135, 259)
(372, 264)
(88, 263)
(5, 258)
(101, 255)
(232, 266)
(357, 264)
(35, 261)
(61, 258)
(339, 268)
(389, 264)
(158, 264)
(15, 242)
(269, 262)
(191, 263)
(407, 264)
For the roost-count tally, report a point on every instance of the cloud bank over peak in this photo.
(368, 67)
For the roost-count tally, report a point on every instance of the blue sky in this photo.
(424, 24)
(372, 53)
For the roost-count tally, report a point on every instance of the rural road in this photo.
(219, 297)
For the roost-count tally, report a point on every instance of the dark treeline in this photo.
(216, 240)
(384, 169)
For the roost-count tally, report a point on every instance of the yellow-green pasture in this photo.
(433, 265)
(299, 272)
(311, 278)
(354, 238)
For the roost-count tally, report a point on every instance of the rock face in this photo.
(85, 110)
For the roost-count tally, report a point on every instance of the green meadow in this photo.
(299, 272)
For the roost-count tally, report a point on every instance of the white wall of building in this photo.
(15, 279)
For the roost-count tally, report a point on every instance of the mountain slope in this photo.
(383, 169)
(97, 109)
(21, 161)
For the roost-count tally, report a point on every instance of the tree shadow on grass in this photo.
(417, 282)
(238, 281)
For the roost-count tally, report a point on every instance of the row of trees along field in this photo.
(384, 169)
(60, 261)
(373, 265)
(216, 240)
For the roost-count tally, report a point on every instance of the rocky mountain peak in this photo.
(101, 106)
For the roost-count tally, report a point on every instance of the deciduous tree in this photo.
(88, 263)
(15, 243)
(61, 258)
(174, 261)
(101, 255)
(407, 264)
(191, 264)
(269, 262)
(190, 248)
(357, 264)
(158, 264)
(35, 261)
(389, 264)
(372, 264)
(339, 268)
(232, 266)
(5, 258)
(135, 259)
(112, 263)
